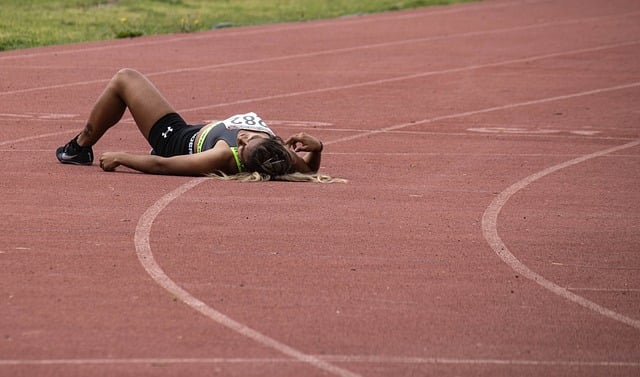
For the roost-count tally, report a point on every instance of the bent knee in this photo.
(126, 79)
(126, 74)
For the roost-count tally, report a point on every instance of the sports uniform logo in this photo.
(167, 132)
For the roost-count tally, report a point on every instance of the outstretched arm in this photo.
(302, 142)
(198, 164)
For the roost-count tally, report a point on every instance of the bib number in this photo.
(248, 121)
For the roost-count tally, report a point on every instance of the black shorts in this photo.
(170, 135)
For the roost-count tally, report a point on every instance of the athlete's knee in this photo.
(126, 75)
(124, 82)
(128, 72)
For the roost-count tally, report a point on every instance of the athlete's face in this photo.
(247, 141)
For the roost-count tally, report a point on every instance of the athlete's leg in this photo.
(127, 89)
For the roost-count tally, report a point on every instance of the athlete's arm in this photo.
(211, 161)
(302, 142)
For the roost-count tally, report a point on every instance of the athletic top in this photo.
(227, 130)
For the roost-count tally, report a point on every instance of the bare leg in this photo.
(127, 89)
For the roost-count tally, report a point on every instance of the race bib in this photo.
(248, 121)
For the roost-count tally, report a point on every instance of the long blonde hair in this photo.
(292, 177)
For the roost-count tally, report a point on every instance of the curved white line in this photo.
(144, 253)
(143, 250)
(490, 232)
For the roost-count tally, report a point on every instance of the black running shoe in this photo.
(72, 153)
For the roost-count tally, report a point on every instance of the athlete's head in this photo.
(267, 156)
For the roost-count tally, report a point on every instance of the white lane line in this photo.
(40, 136)
(490, 232)
(385, 81)
(145, 255)
(489, 109)
(443, 360)
(422, 75)
(593, 266)
(361, 47)
(114, 361)
(248, 30)
(57, 86)
(146, 258)
(362, 359)
(609, 290)
(351, 49)
(509, 106)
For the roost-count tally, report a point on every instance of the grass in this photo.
(32, 23)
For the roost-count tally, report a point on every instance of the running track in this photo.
(490, 226)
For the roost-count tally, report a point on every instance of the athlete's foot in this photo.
(73, 153)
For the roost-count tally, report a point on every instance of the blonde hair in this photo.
(292, 177)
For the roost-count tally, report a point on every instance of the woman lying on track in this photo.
(240, 147)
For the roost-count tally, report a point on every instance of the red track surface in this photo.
(487, 229)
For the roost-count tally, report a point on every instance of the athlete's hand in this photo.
(302, 142)
(108, 161)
